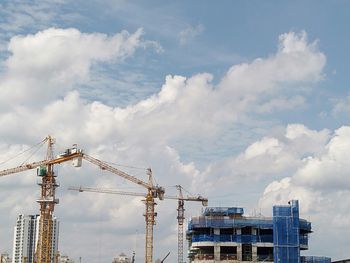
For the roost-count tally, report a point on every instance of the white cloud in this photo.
(281, 103)
(18, 15)
(39, 96)
(265, 146)
(49, 63)
(184, 106)
(296, 61)
(321, 184)
(264, 160)
(191, 32)
(341, 106)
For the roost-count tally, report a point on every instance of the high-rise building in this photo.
(25, 238)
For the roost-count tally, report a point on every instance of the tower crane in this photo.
(153, 191)
(181, 218)
(181, 211)
(47, 200)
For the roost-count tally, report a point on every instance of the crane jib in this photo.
(71, 156)
(114, 170)
(34, 165)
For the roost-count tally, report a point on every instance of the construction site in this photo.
(46, 249)
(224, 234)
(220, 234)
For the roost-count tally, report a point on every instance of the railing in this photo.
(303, 240)
(311, 259)
(259, 258)
(229, 238)
(264, 258)
(202, 238)
(223, 211)
(201, 221)
(228, 256)
(233, 238)
(198, 222)
(204, 256)
(211, 256)
(304, 224)
(265, 238)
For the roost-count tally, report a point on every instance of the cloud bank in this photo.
(39, 96)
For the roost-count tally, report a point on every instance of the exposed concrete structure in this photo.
(224, 234)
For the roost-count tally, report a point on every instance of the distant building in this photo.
(122, 258)
(224, 234)
(65, 259)
(5, 258)
(25, 238)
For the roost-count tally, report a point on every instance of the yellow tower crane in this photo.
(153, 191)
(47, 198)
(181, 211)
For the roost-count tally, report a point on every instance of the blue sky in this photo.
(245, 102)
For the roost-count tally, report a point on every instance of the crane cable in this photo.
(32, 154)
(36, 145)
(127, 166)
(184, 190)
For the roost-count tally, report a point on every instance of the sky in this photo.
(243, 102)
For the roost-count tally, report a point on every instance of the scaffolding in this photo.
(211, 222)
(313, 259)
(286, 229)
(223, 211)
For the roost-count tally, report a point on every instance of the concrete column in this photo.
(239, 252)
(239, 245)
(216, 252)
(254, 231)
(217, 246)
(254, 246)
(254, 252)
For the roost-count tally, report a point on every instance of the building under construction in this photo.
(224, 234)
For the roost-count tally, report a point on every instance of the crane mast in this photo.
(47, 199)
(150, 214)
(150, 220)
(180, 225)
(152, 193)
(47, 203)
